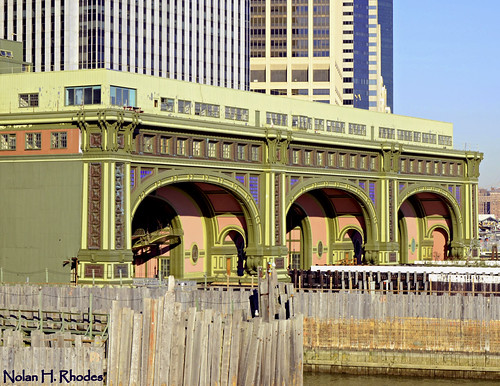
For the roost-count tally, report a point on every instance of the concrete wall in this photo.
(40, 219)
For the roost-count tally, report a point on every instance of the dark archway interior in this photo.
(153, 214)
(239, 243)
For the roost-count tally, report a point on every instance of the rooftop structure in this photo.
(11, 57)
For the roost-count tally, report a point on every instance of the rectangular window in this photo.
(33, 141)
(373, 163)
(405, 135)
(236, 113)
(307, 157)
(278, 75)
(352, 161)
(295, 157)
(319, 124)
(300, 76)
(417, 136)
(85, 95)
(196, 148)
(357, 129)
(121, 96)
(7, 142)
(207, 110)
(335, 126)
(276, 119)
(258, 75)
(321, 75)
(300, 91)
(321, 91)
(148, 143)
(301, 122)
(332, 159)
(362, 162)
(444, 140)
(319, 158)
(226, 150)
(167, 104)
(342, 160)
(255, 153)
(184, 107)
(165, 145)
(181, 147)
(28, 100)
(386, 132)
(241, 150)
(212, 149)
(59, 140)
(428, 138)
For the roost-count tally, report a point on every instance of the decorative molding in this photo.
(119, 206)
(94, 214)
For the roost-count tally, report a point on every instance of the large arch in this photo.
(454, 207)
(366, 204)
(333, 210)
(429, 223)
(207, 206)
(239, 191)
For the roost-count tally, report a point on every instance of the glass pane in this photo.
(70, 97)
(78, 96)
(97, 95)
(88, 95)
(125, 98)
(113, 95)
(132, 100)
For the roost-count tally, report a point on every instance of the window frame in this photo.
(59, 140)
(33, 141)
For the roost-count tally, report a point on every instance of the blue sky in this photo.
(447, 68)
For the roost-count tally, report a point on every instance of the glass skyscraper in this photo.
(323, 50)
(201, 41)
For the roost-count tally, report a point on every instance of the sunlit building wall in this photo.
(322, 50)
(199, 41)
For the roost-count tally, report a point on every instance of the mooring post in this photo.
(40, 320)
(91, 318)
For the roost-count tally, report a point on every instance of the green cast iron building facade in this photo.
(139, 176)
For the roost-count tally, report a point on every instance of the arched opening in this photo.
(440, 244)
(327, 226)
(298, 238)
(357, 245)
(156, 238)
(425, 228)
(236, 240)
(177, 228)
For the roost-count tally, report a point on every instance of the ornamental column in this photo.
(105, 254)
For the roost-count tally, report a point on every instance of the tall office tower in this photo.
(195, 40)
(323, 50)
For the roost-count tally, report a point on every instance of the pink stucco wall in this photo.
(318, 223)
(440, 240)
(226, 220)
(349, 221)
(412, 228)
(191, 220)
